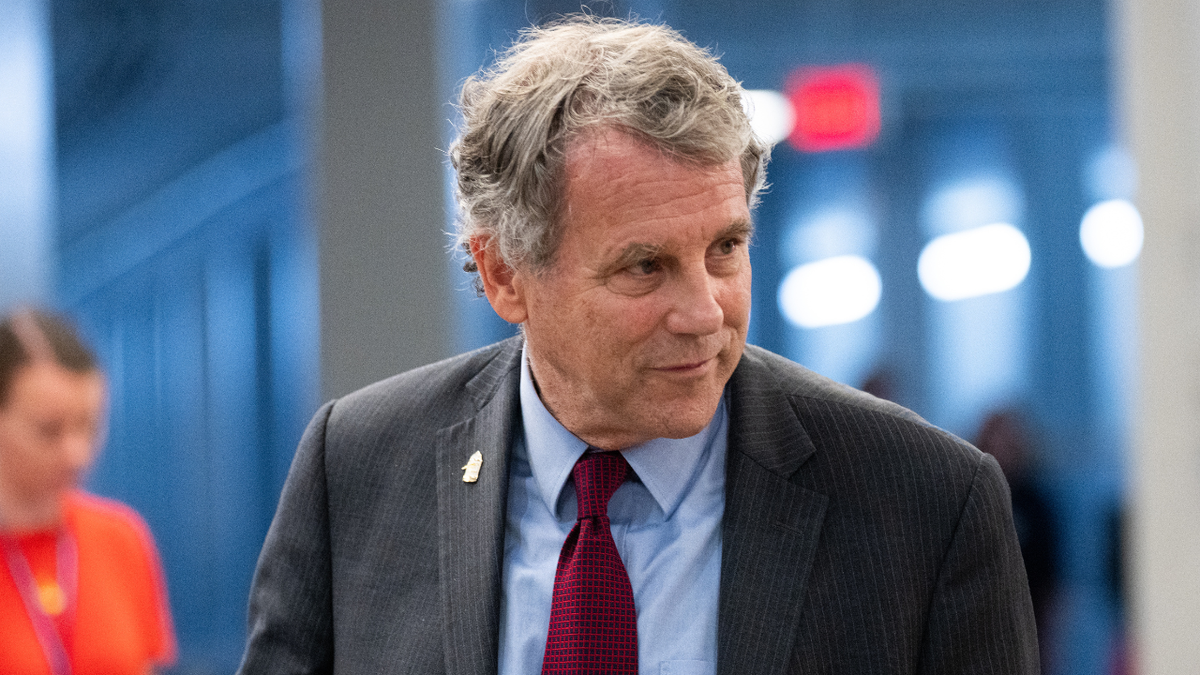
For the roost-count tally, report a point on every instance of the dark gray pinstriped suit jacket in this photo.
(857, 537)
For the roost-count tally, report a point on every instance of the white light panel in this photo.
(1111, 233)
(975, 262)
(828, 292)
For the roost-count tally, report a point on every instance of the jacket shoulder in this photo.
(428, 397)
(797, 381)
(857, 427)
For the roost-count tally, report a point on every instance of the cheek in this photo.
(735, 301)
(12, 447)
(23, 461)
(606, 321)
(633, 322)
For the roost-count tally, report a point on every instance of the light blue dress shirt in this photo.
(666, 522)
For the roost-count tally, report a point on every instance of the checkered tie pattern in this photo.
(593, 624)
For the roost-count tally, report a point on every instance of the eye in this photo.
(728, 246)
(638, 277)
(645, 267)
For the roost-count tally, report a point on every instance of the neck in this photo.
(594, 438)
(18, 514)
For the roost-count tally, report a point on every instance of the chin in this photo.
(686, 423)
(683, 432)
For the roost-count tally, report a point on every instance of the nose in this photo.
(695, 307)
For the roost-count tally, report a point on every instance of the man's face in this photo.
(50, 429)
(641, 319)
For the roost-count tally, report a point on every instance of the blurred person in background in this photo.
(81, 587)
(1005, 435)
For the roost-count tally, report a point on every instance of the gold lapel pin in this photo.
(471, 470)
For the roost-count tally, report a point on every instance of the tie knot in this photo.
(597, 476)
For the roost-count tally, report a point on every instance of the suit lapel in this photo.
(771, 527)
(471, 517)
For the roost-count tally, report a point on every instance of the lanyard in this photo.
(67, 572)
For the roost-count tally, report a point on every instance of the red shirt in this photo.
(121, 622)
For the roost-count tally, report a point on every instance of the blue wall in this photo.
(185, 250)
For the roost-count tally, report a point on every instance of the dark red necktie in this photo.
(593, 625)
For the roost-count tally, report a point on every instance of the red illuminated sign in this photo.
(837, 108)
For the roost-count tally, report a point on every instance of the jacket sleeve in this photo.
(291, 607)
(981, 616)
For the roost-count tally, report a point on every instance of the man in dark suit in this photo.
(758, 517)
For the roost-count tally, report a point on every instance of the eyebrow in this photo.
(632, 254)
(639, 251)
(738, 228)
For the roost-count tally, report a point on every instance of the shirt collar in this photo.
(666, 466)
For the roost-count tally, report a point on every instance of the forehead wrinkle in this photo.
(666, 210)
(697, 185)
(592, 153)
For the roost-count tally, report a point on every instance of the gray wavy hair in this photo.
(575, 75)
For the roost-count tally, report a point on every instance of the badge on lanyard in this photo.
(46, 601)
(52, 597)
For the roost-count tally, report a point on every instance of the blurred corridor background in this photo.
(245, 203)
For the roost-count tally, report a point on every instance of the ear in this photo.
(503, 285)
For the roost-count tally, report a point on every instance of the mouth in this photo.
(697, 359)
(688, 368)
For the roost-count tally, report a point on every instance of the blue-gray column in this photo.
(384, 292)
